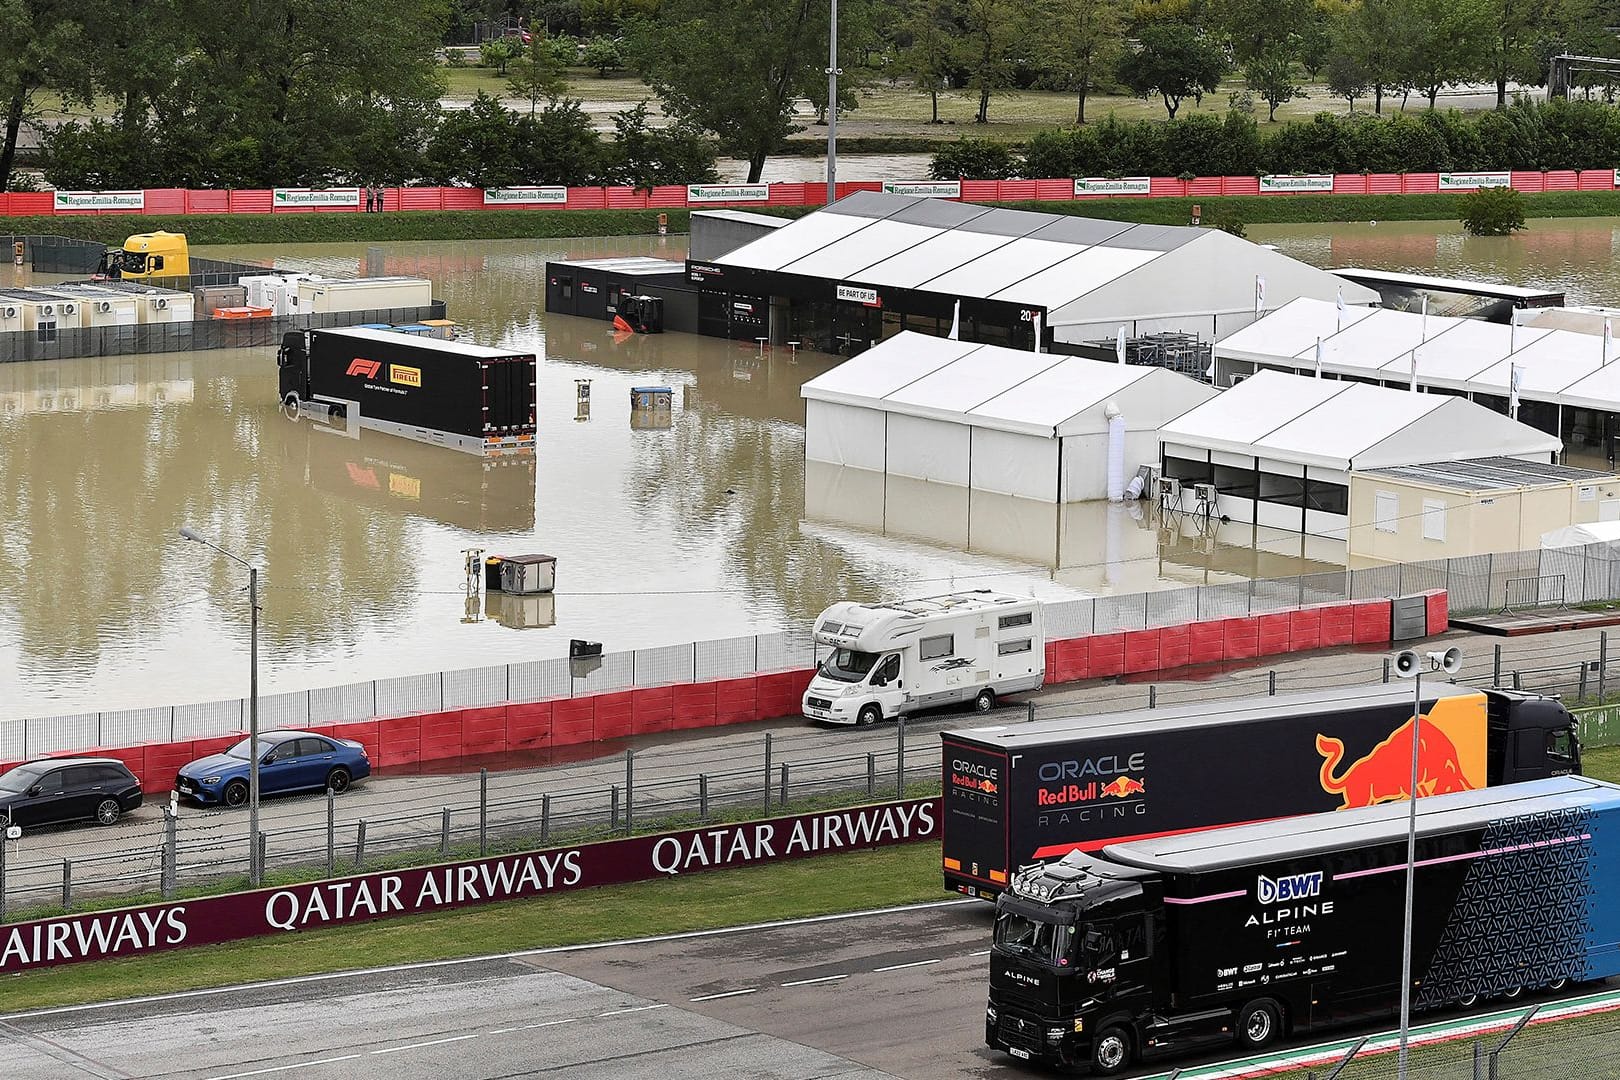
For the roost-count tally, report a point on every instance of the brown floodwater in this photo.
(703, 528)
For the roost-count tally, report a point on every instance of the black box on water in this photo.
(446, 393)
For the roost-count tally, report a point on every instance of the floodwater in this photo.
(707, 527)
(786, 168)
(1576, 255)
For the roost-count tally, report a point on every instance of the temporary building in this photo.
(1569, 384)
(1449, 509)
(1591, 532)
(1278, 449)
(983, 417)
(872, 265)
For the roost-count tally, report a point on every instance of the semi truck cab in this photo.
(1078, 952)
(146, 256)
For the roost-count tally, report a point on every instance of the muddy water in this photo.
(702, 528)
(1576, 255)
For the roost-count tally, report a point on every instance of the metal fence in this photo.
(428, 817)
(1477, 584)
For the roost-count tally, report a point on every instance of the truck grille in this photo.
(1017, 1031)
(818, 703)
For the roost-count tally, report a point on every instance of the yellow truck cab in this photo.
(146, 256)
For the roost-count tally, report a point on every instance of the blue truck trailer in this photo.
(1247, 934)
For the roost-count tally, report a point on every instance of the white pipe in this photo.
(1116, 452)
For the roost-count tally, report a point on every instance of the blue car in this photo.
(288, 761)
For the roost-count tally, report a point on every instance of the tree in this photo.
(1442, 44)
(603, 54)
(992, 31)
(1083, 45)
(644, 157)
(476, 146)
(1272, 73)
(1346, 77)
(536, 75)
(1510, 41)
(735, 67)
(42, 46)
(1374, 37)
(1257, 28)
(931, 56)
(1173, 60)
(560, 146)
(1492, 211)
(498, 53)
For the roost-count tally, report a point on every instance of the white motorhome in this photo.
(890, 659)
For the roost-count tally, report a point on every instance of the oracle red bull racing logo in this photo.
(1450, 758)
(975, 776)
(1074, 781)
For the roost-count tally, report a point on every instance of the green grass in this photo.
(1602, 763)
(818, 886)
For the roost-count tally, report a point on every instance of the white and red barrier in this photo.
(169, 201)
(573, 721)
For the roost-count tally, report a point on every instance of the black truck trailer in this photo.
(1247, 934)
(1015, 793)
(446, 393)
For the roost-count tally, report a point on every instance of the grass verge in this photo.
(817, 886)
(561, 224)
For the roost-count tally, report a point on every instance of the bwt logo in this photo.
(1288, 888)
(366, 369)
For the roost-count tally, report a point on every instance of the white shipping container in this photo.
(364, 294)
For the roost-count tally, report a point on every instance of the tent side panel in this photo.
(843, 435)
(1010, 464)
(930, 450)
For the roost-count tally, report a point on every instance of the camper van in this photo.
(892, 659)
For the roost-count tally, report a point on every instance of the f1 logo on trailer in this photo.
(1290, 887)
(366, 369)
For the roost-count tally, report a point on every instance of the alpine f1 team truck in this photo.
(1247, 934)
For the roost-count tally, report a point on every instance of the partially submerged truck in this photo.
(1247, 934)
(445, 393)
(896, 658)
(1016, 793)
(147, 257)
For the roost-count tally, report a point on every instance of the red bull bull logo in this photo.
(1384, 774)
(1123, 787)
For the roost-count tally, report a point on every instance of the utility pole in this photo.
(832, 105)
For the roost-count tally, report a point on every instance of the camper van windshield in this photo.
(848, 665)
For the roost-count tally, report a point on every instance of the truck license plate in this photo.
(1018, 1052)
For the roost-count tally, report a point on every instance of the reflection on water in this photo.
(1574, 255)
(662, 535)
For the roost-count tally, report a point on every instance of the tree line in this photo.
(1526, 135)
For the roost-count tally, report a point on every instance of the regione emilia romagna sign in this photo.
(98, 200)
(290, 197)
(509, 196)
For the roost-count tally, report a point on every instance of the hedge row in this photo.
(1528, 136)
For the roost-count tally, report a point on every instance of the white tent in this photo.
(986, 418)
(1593, 532)
(1279, 448)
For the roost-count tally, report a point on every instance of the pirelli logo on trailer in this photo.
(404, 376)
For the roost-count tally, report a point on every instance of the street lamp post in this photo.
(1410, 665)
(832, 106)
(253, 698)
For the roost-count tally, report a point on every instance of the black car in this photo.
(69, 789)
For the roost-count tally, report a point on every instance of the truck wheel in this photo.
(1468, 1001)
(1258, 1023)
(868, 716)
(1110, 1051)
(985, 701)
(1512, 993)
(1557, 985)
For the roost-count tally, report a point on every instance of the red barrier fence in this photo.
(211, 920)
(540, 725)
(164, 201)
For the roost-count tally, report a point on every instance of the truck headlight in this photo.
(1054, 1035)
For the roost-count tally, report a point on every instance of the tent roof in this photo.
(1561, 367)
(1043, 394)
(1349, 425)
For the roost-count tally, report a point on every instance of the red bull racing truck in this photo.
(1255, 932)
(1023, 792)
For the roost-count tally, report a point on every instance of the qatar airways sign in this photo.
(362, 898)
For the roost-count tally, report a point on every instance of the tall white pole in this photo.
(832, 106)
(1411, 874)
(255, 871)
